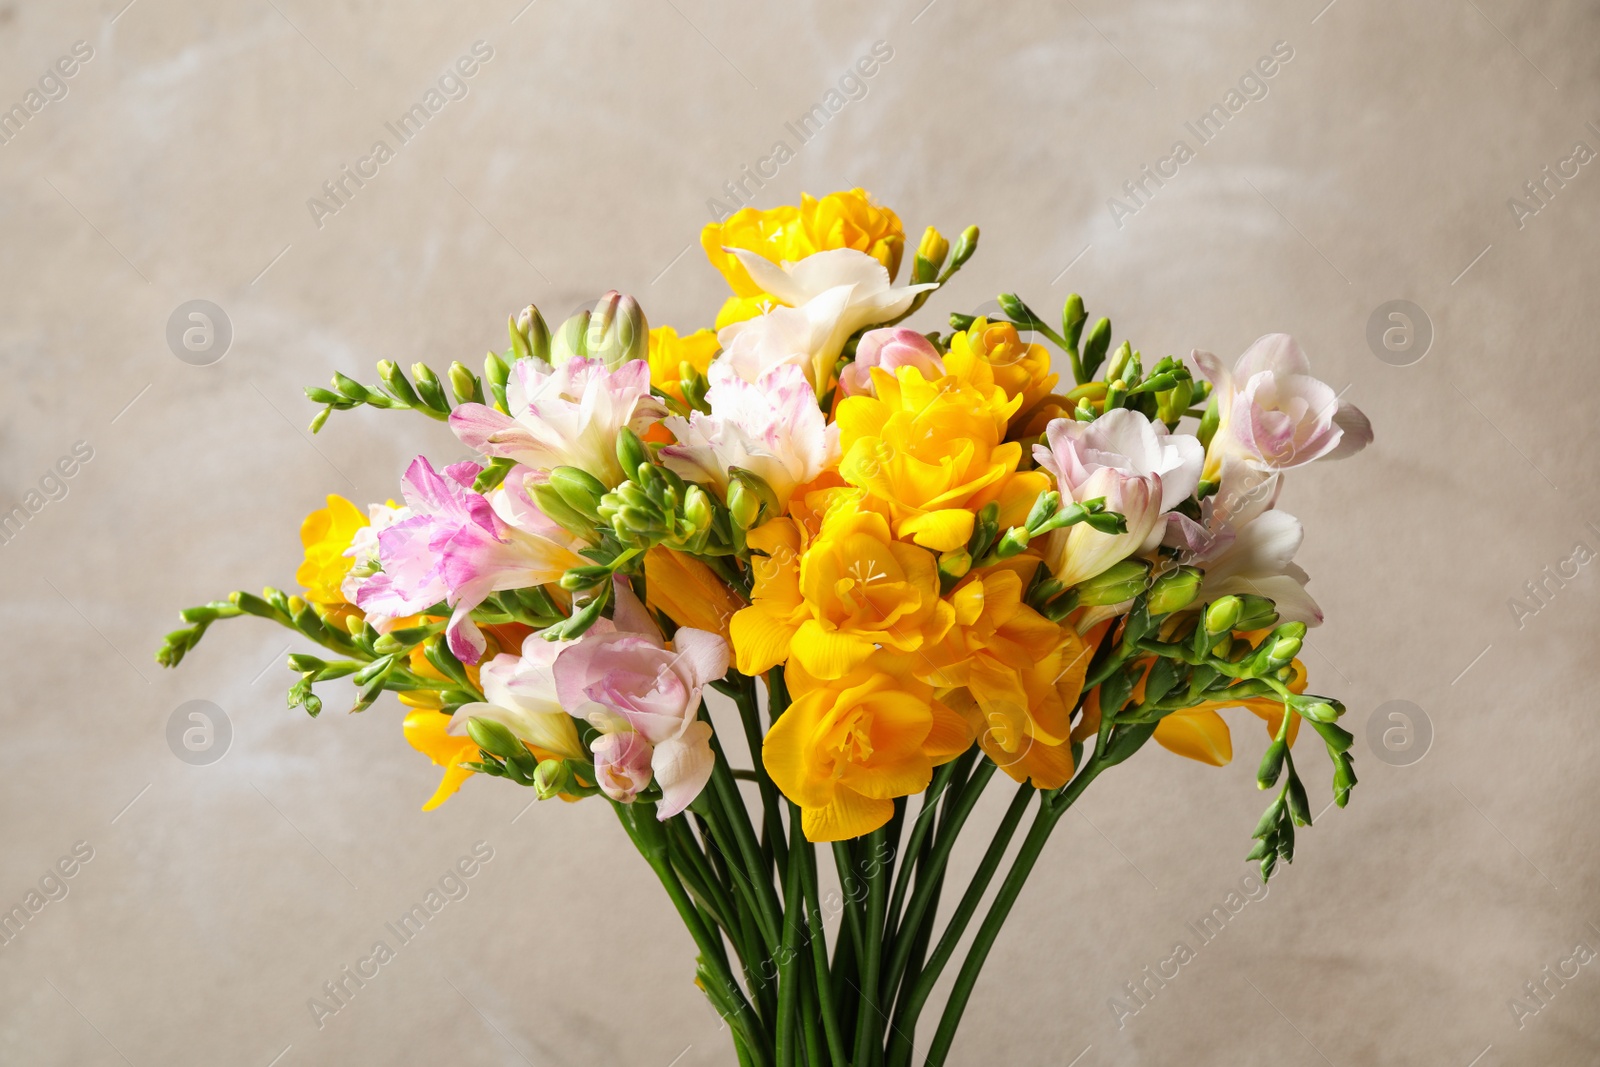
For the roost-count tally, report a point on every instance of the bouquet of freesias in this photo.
(915, 562)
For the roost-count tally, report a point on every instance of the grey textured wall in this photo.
(1377, 167)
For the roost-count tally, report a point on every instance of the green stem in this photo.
(920, 829)
(772, 823)
(790, 965)
(931, 876)
(1051, 809)
(912, 1000)
(807, 858)
(872, 941)
(647, 835)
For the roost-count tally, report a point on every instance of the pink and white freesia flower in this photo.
(772, 428)
(643, 695)
(891, 349)
(830, 295)
(1274, 415)
(566, 416)
(456, 548)
(363, 548)
(1258, 558)
(520, 694)
(1141, 470)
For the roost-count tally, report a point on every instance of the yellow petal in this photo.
(824, 652)
(761, 638)
(849, 815)
(1199, 735)
(942, 531)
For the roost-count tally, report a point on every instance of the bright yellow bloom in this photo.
(1022, 370)
(845, 748)
(789, 233)
(426, 730)
(668, 353)
(1018, 675)
(934, 453)
(828, 600)
(326, 533)
(688, 592)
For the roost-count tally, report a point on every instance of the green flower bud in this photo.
(395, 381)
(494, 738)
(1321, 711)
(429, 390)
(966, 245)
(579, 579)
(571, 340)
(579, 490)
(744, 504)
(1208, 424)
(1117, 583)
(530, 337)
(1223, 614)
(953, 566)
(558, 510)
(551, 778)
(1255, 613)
(1271, 765)
(617, 331)
(1175, 590)
(1072, 319)
(1094, 349)
(1014, 543)
(631, 452)
(1282, 651)
(465, 385)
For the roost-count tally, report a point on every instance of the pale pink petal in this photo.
(682, 767)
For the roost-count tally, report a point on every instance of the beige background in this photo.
(1378, 168)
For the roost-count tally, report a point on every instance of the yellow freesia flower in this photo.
(934, 453)
(1015, 676)
(325, 534)
(427, 732)
(846, 747)
(828, 601)
(789, 233)
(688, 592)
(1022, 370)
(669, 352)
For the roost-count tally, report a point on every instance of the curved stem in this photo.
(872, 943)
(1051, 809)
(931, 876)
(911, 1002)
(647, 835)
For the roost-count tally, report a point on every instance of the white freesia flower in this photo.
(772, 428)
(830, 295)
(1142, 471)
(1274, 415)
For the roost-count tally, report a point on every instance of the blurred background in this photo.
(1411, 192)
